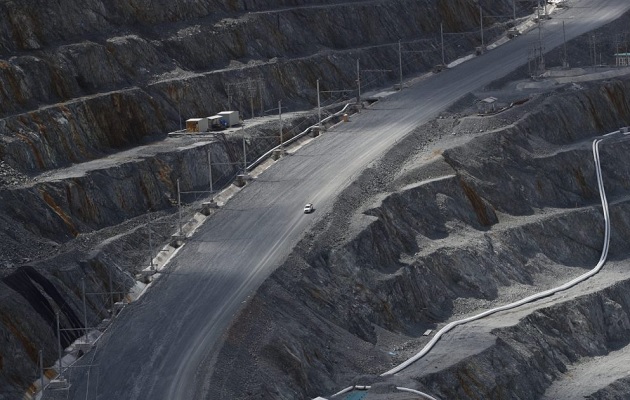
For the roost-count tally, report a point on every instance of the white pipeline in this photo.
(537, 296)
(602, 260)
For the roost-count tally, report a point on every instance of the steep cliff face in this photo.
(105, 75)
(81, 81)
(98, 224)
(500, 214)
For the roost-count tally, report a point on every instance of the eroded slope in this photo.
(80, 80)
(465, 222)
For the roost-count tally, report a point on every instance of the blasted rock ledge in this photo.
(482, 221)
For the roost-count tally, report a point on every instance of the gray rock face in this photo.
(571, 119)
(91, 223)
(514, 207)
(80, 80)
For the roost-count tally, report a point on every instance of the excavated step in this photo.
(487, 219)
(549, 339)
(70, 100)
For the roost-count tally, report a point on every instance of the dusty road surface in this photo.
(162, 346)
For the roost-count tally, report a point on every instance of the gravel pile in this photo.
(9, 177)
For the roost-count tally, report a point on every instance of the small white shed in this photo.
(197, 125)
(622, 59)
(231, 117)
(216, 122)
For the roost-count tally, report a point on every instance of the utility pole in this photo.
(481, 23)
(514, 12)
(260, 91)
(179, 209)
(535, 60)
(400, 64)
(280, 118)
(229, 93)
(442, 40)
(179, 109)
(593, 49)
(85, 325)
(616, 43)
(251, 102)
(539, 28)
(540, 60)
(151, 252)
(210, 170)
(358, 82)
(111, 292)
(319, 111)
(250, 86)
(244, 153)
(530, 54)
(565, 61)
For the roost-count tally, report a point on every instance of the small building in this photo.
(231, 117)
(622, 59)
(217, 123)
(197, 125)
(487, 105)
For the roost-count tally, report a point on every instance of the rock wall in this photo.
(93, 226)
(82, 80)
(511, 206)
(109, 74)
(570, 119)
(536, 351)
